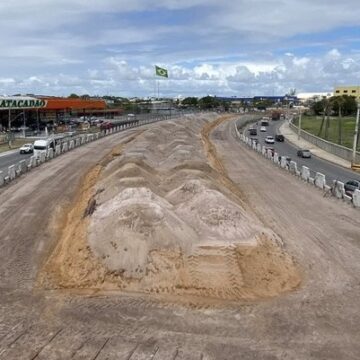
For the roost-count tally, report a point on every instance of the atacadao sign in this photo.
(18, 102)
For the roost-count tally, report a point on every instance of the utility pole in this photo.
(9, 128)
(356, 134)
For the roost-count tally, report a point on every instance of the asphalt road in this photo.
(330, 170)
(11, 159)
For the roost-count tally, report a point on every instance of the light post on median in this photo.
(356, 134)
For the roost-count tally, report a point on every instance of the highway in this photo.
(330, 170)
(11, 159)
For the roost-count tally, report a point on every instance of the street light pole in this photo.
(356, 134)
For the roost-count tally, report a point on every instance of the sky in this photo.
(222, 48)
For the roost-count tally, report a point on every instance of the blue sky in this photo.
(228, 48)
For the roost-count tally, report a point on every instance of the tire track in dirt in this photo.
(216, 162)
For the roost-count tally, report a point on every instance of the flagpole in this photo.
(158, 86)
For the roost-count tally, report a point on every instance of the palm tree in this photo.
(339, 102)
(326, 109)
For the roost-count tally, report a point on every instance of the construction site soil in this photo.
(160, 216)
(176, 241)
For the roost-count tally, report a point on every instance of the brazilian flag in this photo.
(161, 72)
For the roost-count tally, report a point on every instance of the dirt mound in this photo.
(132, 224)
(167, 220)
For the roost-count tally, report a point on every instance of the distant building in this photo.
(348, 90)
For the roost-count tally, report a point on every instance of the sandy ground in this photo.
(318, 320)
(165, 219)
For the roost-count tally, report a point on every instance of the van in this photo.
(42, 146)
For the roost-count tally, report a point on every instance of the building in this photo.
(35, 110)
(348, 90)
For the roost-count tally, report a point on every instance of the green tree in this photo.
(73, 96)
(208, 102)
(190, 101)
(338, 104)
(326, 108)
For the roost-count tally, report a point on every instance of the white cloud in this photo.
(228, 46)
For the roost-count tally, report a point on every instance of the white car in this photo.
(27, 149)
(270, 140)
(263, 128)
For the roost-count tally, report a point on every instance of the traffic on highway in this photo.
(285, 148)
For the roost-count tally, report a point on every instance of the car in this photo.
(350, 186)
(269, 140)
(279, 138)
(253, 132)
(304, 153)
(263, 128)
(106, 125)
(27, 149)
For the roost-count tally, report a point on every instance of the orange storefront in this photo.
(60, 108)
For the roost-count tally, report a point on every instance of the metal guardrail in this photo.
(332, 148)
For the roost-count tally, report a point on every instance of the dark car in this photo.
(350, 186)
(304, 154)
(253, 132)
(279, 138)
(106, 125)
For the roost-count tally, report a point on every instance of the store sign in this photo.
(21, 103)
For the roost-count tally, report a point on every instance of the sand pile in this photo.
(164, 222)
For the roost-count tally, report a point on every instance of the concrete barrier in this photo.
(64, 147)
(259, 148)
(269, 154)
(2, 178)
(283, 162)
(11, 172)
(276, 158)
(71, 144)
(338, 189)
(293, 167)
(42, 157)
(17, 169)
(319, 180)
(22, 166)
(356, 198)
(50, 153)
(78, 142)
(305, 173)
(83, 138)
(32, 162)
(57, 150)
(263, 150)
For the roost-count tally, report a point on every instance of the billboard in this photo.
(21, 102)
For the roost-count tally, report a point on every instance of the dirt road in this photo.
(320, 320)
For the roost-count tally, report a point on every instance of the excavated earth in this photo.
(161, 217)
(176, 241)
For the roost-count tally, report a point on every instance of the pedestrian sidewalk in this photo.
(292, 137)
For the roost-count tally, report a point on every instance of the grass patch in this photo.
(312, 124)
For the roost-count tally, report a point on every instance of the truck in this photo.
(42, 146)
(277, 115)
